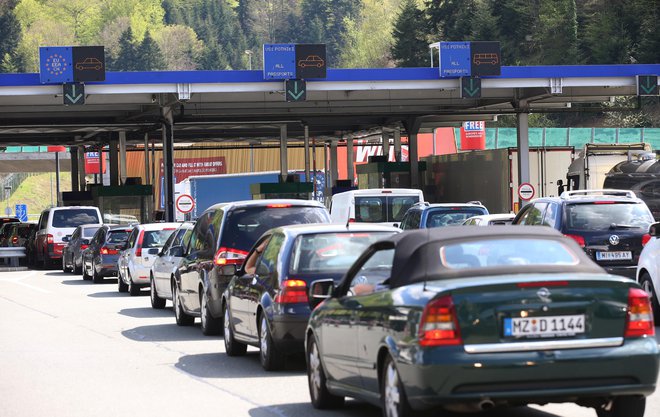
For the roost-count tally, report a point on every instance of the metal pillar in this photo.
(81, 168)
(522, 125)
(122, 157)
(57, 180)
(306, 153)
(114, 162)
(147, 178)
(413, 157)
(385, 140)
(284, 162)
(334, 171)
(350, 151)
(397, 145)
(75, 178)
(168, 163)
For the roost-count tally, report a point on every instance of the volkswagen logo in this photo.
(544, 294)
(614, 240)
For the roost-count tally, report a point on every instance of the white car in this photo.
(648, 268)
(166, 263)
(490, 219)
(139, 253)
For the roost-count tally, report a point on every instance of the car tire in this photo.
(121, 285)
(647, 284)
(316, 380)
(85, 275)
(156, 302)
(392, 394)
(96, 277)
(210, 325)
(182, 319)
(271, 358)
(77, 270)
(624, 406)
(64, 268)
(232, 347)
(133, 288)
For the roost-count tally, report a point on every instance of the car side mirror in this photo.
(153, 251)
(319, 291)
(84, 242)
(396, 225)
(66, 238)
(176, 251)
(654, 229)
(230, 269)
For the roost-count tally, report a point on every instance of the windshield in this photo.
(381, 209)
(156, 238)
(451, 216)
(500, 252)
(118, 236)
(330, 252)
(607, 215)
(74, 217)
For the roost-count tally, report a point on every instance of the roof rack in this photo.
(589, 193)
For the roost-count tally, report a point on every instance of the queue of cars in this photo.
(426, 315)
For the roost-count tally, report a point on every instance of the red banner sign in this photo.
(473, 136)
(92, 163)
(187, 167)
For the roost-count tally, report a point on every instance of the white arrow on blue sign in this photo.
(21, 212)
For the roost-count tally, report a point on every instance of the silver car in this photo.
(166, 263)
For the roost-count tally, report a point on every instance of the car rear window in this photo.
(504, 252)
(89, 231)
(74, 217)
(451, 216)
(607, 215)
(330, 252)
(156, 238)
(118, 236)
(381, 209)
(243, 226)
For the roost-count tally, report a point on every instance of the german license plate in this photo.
(614, 256)
(547, 326)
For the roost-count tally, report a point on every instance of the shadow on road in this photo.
(79, 281)
(146, 312)
(219, 365)
(167, 333)
(354, 408)
(109, 294)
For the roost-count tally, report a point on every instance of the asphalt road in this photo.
(72, 348)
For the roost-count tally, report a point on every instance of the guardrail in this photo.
(12, 255)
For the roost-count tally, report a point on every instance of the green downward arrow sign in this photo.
(295, 94)
(647, 87)
(75, 97)
(472, 91)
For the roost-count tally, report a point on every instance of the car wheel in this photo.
(210, 325)
(121, 285)
(625, 406)
(77, 269)
(232, 347)
(133, 288)
(95, 275)
(64, 268)
(318, 391)
(393, 396)
(156, 302)
(182, 319)
(85, 275)
(271, 358)
(647, 284)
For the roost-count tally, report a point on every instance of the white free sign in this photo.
(185, 203)
(526, 191)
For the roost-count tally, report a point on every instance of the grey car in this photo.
(75, 245)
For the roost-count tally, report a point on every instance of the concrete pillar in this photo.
(350, 152)
(57, 180)
(122, 157)
(522, 125)
(397, 144)
(334, 171)
(114, 162)
(147, 177)
(81, 168)
(168, 163)
(413, 157)
(307, 177)
(284, 161)
(75, 178)
(385, 139)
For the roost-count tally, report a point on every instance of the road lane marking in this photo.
(17, 280)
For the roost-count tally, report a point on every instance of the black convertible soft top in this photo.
(412, 262)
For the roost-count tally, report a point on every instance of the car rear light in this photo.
(14, 240)
(439, 326)
(542, 284)
(229, 256)
(351, 220)
(293, 291)
(278, 206)
(108, 251)
(645, 239)
(49, 239)
(579, 239)
(640, 316)
(386, 192)
(138, 248)
(83, 247)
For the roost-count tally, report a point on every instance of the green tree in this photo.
(149, 54)
(10, 31)
(410, 48)
(517, 29)
(558, 36)
(606, 39)
(127, 58)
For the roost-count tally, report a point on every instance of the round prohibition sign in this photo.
(526, 191)
(185, 203)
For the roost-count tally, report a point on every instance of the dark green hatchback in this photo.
(468, 319)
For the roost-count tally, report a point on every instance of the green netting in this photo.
(604, 135)
(13, 149)
(490, 138)
(652, 136)
(579, 136)
(556, 137)
(630, 135)
(506, 137)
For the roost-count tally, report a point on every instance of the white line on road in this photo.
(17, 280)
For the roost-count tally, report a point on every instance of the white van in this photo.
(376, 205)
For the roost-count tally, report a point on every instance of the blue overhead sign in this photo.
(454, 59)
(55, 64)
(21, 212)
(279, 61)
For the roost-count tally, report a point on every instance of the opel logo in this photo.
(544, 294)
(614, 240)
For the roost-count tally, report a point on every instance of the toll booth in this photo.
(382, 174)
(124, 203)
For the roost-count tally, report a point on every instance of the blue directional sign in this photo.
(454, 59)
(279, 61)
(55, 64)
(21, 212)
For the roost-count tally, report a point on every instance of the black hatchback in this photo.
(610, 225)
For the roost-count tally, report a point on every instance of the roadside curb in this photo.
(13, 268)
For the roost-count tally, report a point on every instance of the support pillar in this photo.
(522, 125)
(397, 145)
(413, 157)
(57, 180)
(147, 177)
(307, 177)
(122, 157)
(385, 140)
(350, 151)
(81, 168)
(75, 178)
(114, 162)
(168, 163)
(284, 162)
(334, 171)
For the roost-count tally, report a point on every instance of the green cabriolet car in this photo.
(468, 319)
